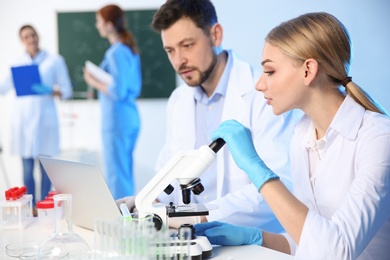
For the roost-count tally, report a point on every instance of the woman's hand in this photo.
(42, 89)
(129, 201)
(94, 82)
(89, 79)
(239, 140)
(219, 233)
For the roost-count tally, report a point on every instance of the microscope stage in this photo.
(187, 210)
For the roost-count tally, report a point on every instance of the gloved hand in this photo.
(224, 234)
(41, 89)
(129, 201)
(239, 140)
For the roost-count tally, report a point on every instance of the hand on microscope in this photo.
(129, 201)
(225, 234)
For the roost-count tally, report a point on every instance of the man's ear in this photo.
(216, 34)
(310, 70)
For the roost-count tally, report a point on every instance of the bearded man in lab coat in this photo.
(34, 126)
(218, 86)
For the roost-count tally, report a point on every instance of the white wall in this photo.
(246, 23)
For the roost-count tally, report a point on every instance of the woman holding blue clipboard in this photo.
(34, 121)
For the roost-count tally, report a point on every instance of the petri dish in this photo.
(18, 248)
(44, 255)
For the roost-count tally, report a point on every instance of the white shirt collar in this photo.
(346, 122)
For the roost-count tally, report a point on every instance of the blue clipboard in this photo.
(24, 77)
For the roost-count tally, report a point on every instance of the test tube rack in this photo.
(16, 214)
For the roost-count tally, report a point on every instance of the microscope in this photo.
(186, 168)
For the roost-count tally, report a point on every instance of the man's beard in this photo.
(205, 75)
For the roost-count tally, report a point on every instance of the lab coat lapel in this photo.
(300, 174)
(307, 191)
(235, 107)
(186, 120)
(240, 83)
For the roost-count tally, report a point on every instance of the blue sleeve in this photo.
(125, 69)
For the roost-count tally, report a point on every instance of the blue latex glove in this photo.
(219, 233)
(41, 89)
(239, 140)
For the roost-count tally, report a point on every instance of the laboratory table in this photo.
(34, 232)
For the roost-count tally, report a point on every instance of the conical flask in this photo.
(63, 243)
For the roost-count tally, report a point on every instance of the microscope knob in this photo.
(158, 222)
(198, 189)
(201, 242)
(168, 190)
(192, 230)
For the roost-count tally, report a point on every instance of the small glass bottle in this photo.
(63, 243)
(46, 214)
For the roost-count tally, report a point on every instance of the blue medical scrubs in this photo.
(120, 117)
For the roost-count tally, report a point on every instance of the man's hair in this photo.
(26, 26)
(201, 12)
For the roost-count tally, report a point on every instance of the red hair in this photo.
(115, 15)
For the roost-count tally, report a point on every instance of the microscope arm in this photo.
(185, 167)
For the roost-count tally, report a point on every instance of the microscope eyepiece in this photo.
(217, 145)
(195, 185)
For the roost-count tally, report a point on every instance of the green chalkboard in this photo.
(79, 41)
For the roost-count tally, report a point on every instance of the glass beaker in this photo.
(63, 243)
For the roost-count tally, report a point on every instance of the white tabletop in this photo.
(35, 233)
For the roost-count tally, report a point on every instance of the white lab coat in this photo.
(349, 205)
(34, 122)
(237, 198)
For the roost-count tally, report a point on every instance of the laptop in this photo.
(91, 197)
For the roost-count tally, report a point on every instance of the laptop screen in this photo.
(91, 197)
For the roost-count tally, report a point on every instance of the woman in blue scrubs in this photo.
(120, 117)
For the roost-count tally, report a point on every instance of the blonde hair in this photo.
(323, 37)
